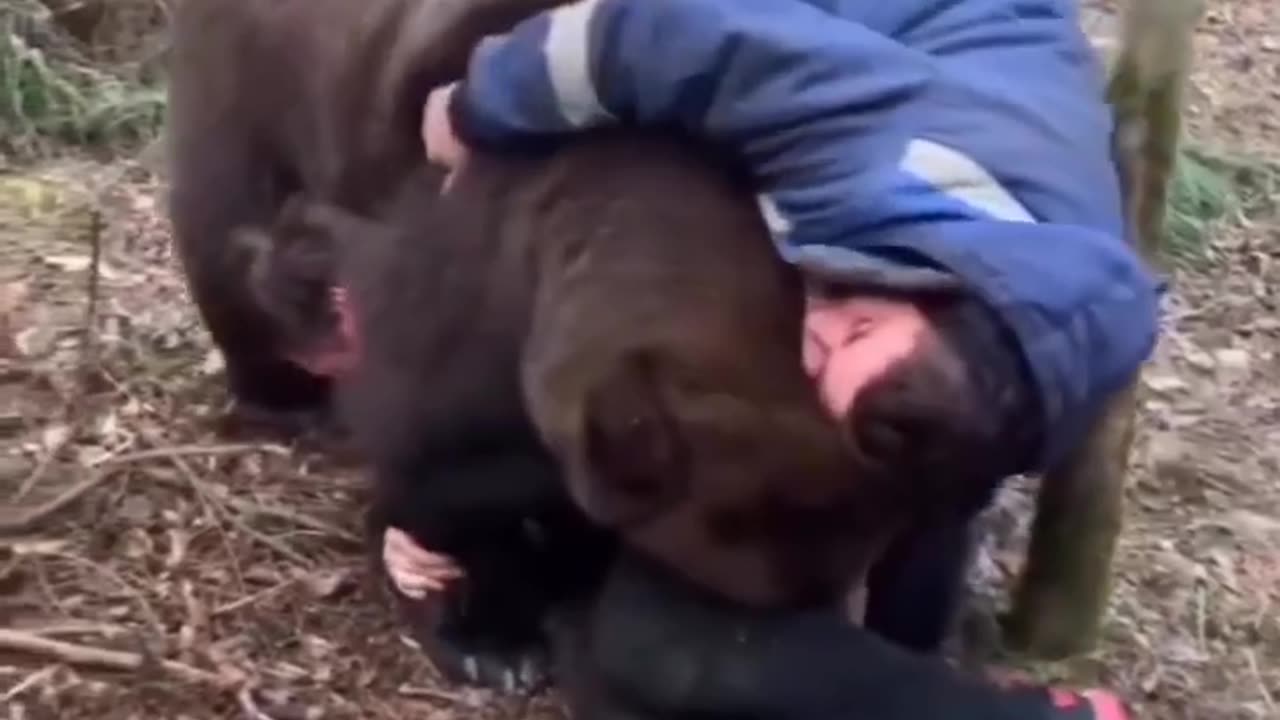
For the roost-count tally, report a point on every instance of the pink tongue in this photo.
(326, 363)
(340, 355)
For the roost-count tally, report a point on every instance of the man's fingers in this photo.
(437, 565)
(413, 586)
(416, 583)
(436, 575)
(442, 145)
(434, 565)
(408, 580)
(404, 546)
(412, 569)
(441, 142)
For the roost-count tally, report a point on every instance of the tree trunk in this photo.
(1062, 594)
(1066, 582)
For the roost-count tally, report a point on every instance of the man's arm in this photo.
(851, 136)
(752, 73)
(811, 101)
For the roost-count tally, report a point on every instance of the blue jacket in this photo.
(907, 142)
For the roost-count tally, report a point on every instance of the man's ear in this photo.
(636, 463)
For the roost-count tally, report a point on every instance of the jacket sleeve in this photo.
(857, 182)
(780, 83)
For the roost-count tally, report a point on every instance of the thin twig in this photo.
(88, 656)
(46, 588)
(37, 474)
(27, 520)
(29, 682)
(250, 706)
(1262, 682)
(89, 340)
(77, 627)
(189, 481)
(177, 451)
(251, 599)
(249, 507)
(201, 487)
(149, 613)
(417, 691)
(1202, 612)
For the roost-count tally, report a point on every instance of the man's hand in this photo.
(441, 143)
(848, 342)
(413, 570)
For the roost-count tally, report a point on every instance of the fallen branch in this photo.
(93, 657)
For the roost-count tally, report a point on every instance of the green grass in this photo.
(1199, 195)
(51, 94)
(1208, 187)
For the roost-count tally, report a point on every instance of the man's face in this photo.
(850, 341)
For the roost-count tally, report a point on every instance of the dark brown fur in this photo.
(269, 98)
(663, 369)
(657, 346)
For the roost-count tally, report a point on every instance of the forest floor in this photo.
(134, 536)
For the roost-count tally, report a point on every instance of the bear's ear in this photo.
(637, 463)
(259, 255)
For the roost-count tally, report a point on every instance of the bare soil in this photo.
(225, 580)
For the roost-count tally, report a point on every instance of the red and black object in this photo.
(1063, 704)
(655, 649)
